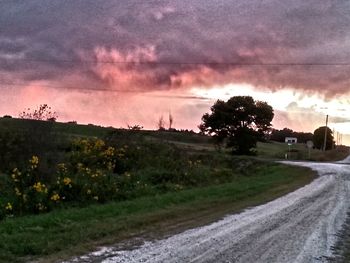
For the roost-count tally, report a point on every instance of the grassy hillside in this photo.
(14, 124)
(186, 140)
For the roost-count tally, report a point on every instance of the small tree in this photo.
(43, 113)
(241, 121)
(318, 138)
(161, 123)
(171, 121)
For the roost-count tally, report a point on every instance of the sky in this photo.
(127, 62)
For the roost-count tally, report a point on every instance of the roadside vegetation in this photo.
(74, 230)
(70, 189)
(66, 188)
(341, 250)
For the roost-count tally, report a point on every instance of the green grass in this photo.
(277, 150)
(57, 127)
(186, 140)
(62, 233)
(14, 124)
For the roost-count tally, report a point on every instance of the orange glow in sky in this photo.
(131, 62)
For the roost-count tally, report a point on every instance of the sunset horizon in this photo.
(169, 131)
(117, 64)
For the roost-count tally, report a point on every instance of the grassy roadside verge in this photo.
(63, 233)
(341, 249)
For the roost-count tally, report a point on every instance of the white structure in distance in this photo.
(291, 140)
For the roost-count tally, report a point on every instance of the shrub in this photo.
(43, 113)
(29, 192)
(93, 171)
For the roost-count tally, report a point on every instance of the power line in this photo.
(139, 92)
(210, 63)
(66, 87)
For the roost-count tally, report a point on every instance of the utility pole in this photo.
(337, 138)
(341, 139)
(325, 135)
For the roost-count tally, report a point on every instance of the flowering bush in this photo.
(29, 193)
(86, 176)
(93, 171)
(89, 171)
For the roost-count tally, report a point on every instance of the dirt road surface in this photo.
(299, 227)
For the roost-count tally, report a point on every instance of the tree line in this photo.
(280, 135)
(241, 122)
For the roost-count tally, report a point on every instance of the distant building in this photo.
(292, 140)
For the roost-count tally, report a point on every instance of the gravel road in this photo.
(298, 227)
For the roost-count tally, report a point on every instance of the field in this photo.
(78, 186)
(186, 140)
(276, 150)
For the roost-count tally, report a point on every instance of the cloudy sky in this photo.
(120, 62)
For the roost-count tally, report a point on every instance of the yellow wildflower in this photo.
(109, 152)
(55, 197)
(14, 177)
(61, 166)
(34, 161)
(15, 174)
(99, 144)
(39, 187)
(18, 192)
(88, 191)
(8, 207)
(67, 181)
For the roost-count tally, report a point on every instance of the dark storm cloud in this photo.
(197, 42)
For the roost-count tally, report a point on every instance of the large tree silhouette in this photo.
(241, 121)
